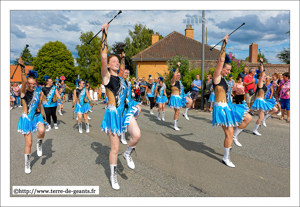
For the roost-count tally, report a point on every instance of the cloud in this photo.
(16, 31)
(72, 27)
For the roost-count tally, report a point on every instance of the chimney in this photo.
(155, 38)
(189, 31)
(253, 51)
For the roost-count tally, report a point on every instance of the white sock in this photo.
(237, 131)
(129, 149)
(113, 169)
(40, 140)
(186, 111)
(158, 113)
(227, 153)
(266, 117)
(163, 115)
(175, 123)
(256, 127)
(27, 157)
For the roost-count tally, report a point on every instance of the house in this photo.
(153, 60)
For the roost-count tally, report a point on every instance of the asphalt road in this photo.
(169, 163)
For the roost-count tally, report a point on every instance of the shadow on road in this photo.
(47, 150)
(201, 118)
(102, 159)
(152, 117)
(193, 146)
(60, 121)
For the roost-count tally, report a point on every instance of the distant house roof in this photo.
(176, 44)
(17, 76)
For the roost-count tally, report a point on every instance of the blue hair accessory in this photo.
(227, 59)
(86, 81)
(76, 81)
(125, 66)
(107, 55)
(46, 78)
(161, 78)
(174, 71)
(32, 73)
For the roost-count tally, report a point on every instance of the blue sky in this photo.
(266, 28)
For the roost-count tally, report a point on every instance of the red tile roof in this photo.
(176, 44)
(17, 76)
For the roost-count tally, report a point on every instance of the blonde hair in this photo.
(209, 76)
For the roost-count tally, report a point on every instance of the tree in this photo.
(139, 39)
(284, 56)
(54, 59)
(27, 58)
(89, 60)
(184, 70)
(118, 47)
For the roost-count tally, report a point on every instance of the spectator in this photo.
(280, 78)
(95, 96)
(91, 93)
(103, 91)
(207, 91)
(143, 86)
(275, 86)
(243, 74)
(12, 97)
(239, 90)
(196, 86)
(16, 90)
(285, 95)
(230, 82)
(249, 83)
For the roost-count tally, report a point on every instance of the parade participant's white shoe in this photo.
(87, 127)
(39, 147)
(122, 139)
(77, 117)
(129, 160)
(80, 127)
(256, 133)
(175, 125)
(264, 123)
(89, 118)
(236, 141)
(228, 162)
(114, 182)
(27, 164)
(186, 116)
(59, 112)
(55, 126)
(279, 113)
(90, 110)
(163, 116)
(158, 116)
(48, 128)
(151, 112)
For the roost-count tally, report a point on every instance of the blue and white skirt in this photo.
(161, 100)
(112, 121)
(82, 109)
(27, 125)
(176, 102)
(60, 102)
(211, 97)
(263, 104)
(229, 115)
(130, 113)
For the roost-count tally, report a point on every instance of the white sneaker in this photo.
(114, 182)
(158, 117)
(176, 128)
(89, 118)
(256, 133)
(236, 141)
(20, 106)
(55, 126)
(264, 123)
(122, 139)
(90, 110)
(87, 127)
(39, 149)
(27, 165)
(186, 117)
(129, 160)
(48, 128)
(228, 162)
(151, 112)
(279, 113)
(59, 112)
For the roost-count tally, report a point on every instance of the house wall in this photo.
(144, 69)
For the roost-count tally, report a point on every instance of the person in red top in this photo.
(249, 83)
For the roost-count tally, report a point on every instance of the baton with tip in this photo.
(18, 63)
(228, 36)
(101, 28)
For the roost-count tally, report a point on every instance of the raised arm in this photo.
(175, 74)
(103, 51)
(122, 65)
(23, 78)
(262, 71)
(217, 73)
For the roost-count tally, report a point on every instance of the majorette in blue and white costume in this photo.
(161, 98)
(225, 113)
(60, 102)
(113, 120)
(31, 117)
(49, 98)
(177, 101)
(82, 106)
(263, 104)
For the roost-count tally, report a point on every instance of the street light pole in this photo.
(203, 59)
